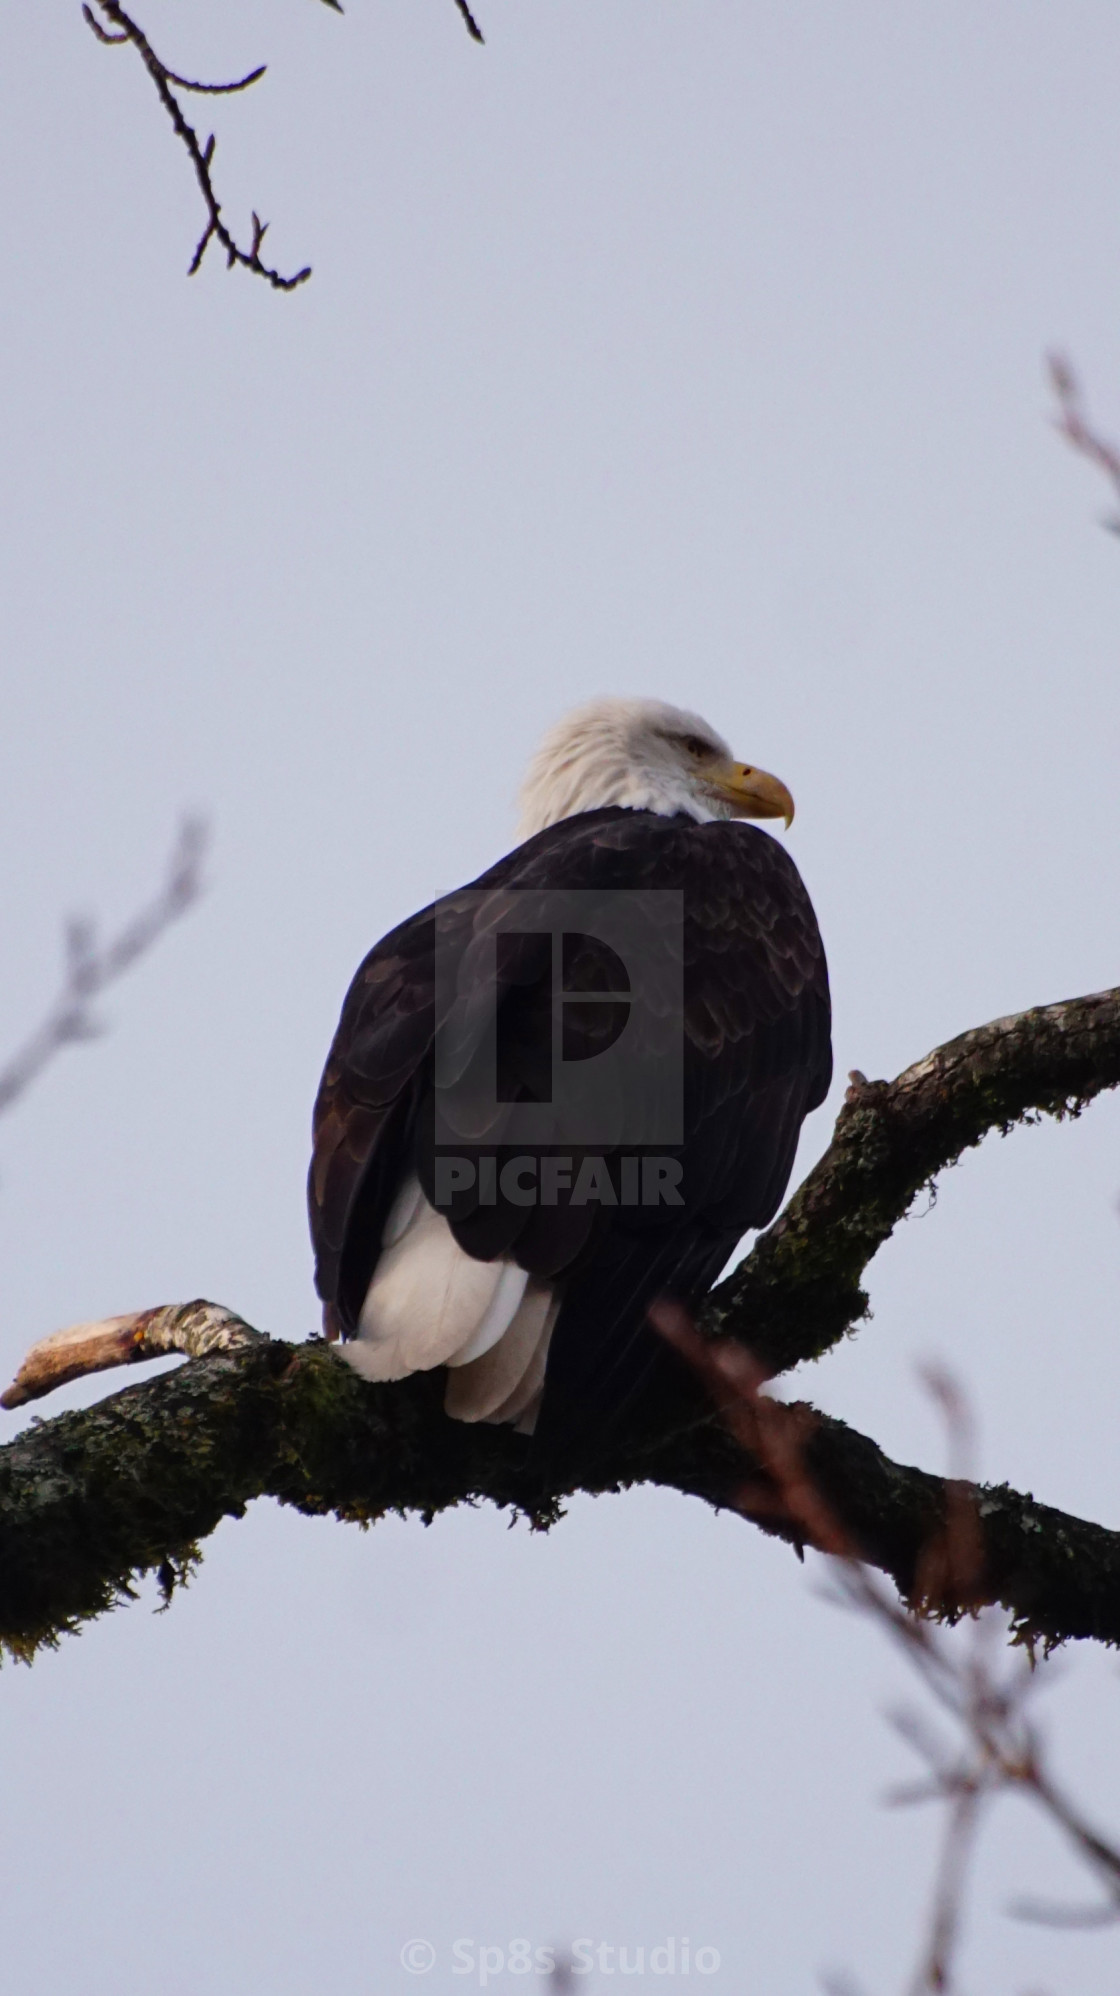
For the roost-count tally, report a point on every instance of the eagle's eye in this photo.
(697, 746)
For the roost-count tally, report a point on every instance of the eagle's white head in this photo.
(644, 756)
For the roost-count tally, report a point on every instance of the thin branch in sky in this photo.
(473, 29)
(995, 1748)
(122, 28)
(1073, 423)
(91, 967)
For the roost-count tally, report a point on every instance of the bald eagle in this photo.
(571, 1087)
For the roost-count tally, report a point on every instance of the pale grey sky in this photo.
(691, 351)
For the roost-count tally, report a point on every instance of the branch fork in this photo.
(123, 28)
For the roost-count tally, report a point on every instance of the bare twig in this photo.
(997, 1750)
(473, 29)
(124, 29)
(1073, 423)
(90, 968)
(216, 89)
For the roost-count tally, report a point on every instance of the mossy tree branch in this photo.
(799, 1290)
(91, 1500)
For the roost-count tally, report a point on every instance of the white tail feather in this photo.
(402, 1212)
(431, 1304)
(499, 1385)
(504, 1306)
(524, 1402)
(426, 1300)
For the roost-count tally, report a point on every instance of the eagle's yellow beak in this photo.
(751, 793)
